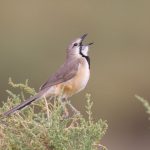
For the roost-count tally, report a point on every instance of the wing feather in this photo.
(64, 73)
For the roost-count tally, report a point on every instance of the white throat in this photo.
(84, 50)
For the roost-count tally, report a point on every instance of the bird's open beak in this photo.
(90, 43)
(83, 37)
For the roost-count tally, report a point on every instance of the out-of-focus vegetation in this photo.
(43, 127)
(145, 103)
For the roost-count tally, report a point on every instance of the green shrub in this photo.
(42, 126)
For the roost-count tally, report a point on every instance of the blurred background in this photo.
(34, 35)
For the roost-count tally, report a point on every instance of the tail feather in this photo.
(22, 105)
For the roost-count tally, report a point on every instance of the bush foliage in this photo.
(42, 126)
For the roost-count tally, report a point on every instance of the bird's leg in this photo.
(76, 112)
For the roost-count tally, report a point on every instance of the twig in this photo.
(47, 109)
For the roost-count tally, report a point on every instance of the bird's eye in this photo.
(75, 44)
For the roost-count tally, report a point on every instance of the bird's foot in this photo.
(65, 114)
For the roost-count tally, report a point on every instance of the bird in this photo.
(72, 76)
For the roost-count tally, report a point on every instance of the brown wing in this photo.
(64, 73)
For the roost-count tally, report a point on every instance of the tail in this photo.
(23, 104)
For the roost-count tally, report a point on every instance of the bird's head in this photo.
(77, 49)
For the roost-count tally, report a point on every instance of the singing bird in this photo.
(72, 76)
